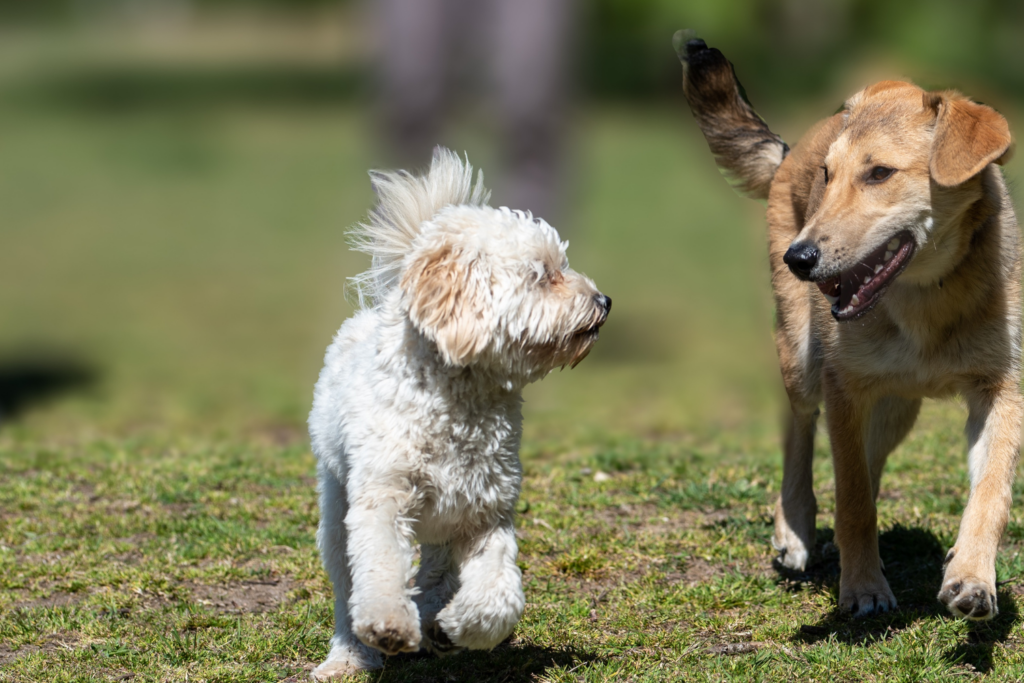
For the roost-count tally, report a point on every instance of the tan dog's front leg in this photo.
(863, 589)
(796, 509)
(993, 433)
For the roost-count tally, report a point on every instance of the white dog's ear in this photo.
(448, 299)
(968, 137)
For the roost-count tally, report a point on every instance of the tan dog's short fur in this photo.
(894, 209)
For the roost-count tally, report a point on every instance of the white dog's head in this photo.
(493, 286)
(490, 287)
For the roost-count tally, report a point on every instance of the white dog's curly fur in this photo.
(416, 416)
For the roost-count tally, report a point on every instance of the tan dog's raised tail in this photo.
(896, 269)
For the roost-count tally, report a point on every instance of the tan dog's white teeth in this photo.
(854, 301)
(878, 269)
(888, 255)
(893, 245)
(867, 279)
(832, 300)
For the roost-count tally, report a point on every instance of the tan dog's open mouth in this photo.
(856, 290)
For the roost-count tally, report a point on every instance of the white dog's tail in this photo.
(404, 202)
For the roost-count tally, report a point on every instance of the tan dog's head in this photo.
(898, 178)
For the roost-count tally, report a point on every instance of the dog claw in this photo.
(868, 601)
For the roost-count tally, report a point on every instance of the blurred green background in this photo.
(176, 180)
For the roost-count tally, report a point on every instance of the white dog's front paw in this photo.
(391, 626)
(330, 671)
(482, 621)
(437, 641)
(345, 659)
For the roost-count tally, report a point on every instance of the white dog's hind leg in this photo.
(436, 583)
(347, 654)
(490, 600)
(380, 556)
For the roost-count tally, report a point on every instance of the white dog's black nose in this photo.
(604, 302)
(801, 259)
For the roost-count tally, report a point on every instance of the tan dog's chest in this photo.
(899, 351)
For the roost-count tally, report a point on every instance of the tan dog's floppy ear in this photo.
(968, 137)
(448, 303)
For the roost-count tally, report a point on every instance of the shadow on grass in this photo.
(506, 663)
(913, 566)
(30, 380)
(982, 637)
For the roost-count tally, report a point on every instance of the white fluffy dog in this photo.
(416, 416)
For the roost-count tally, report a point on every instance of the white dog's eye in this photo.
(551, 277)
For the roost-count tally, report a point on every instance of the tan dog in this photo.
(896, 269)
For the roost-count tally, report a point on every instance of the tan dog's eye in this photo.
(825, 169)
(879, 174)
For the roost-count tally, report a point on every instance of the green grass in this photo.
(160, 524)
(163, 557)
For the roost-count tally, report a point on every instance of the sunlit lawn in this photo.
(159, 522)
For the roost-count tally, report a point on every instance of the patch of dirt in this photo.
(181, 509)
(647, 516)
(638, 517)
(50, 643)
(302, 676)
(716, 517)
(734, 648)
(132, 556)
(699, 570)
(243, 598)
(123, 507)
(84, 490)
(58, 599)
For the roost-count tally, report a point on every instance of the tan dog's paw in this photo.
(387, 626)
(867, 598)
(970, 598)
(965, 594)
(794, 532)
(793, 551)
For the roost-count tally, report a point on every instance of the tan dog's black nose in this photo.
(801, 259)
